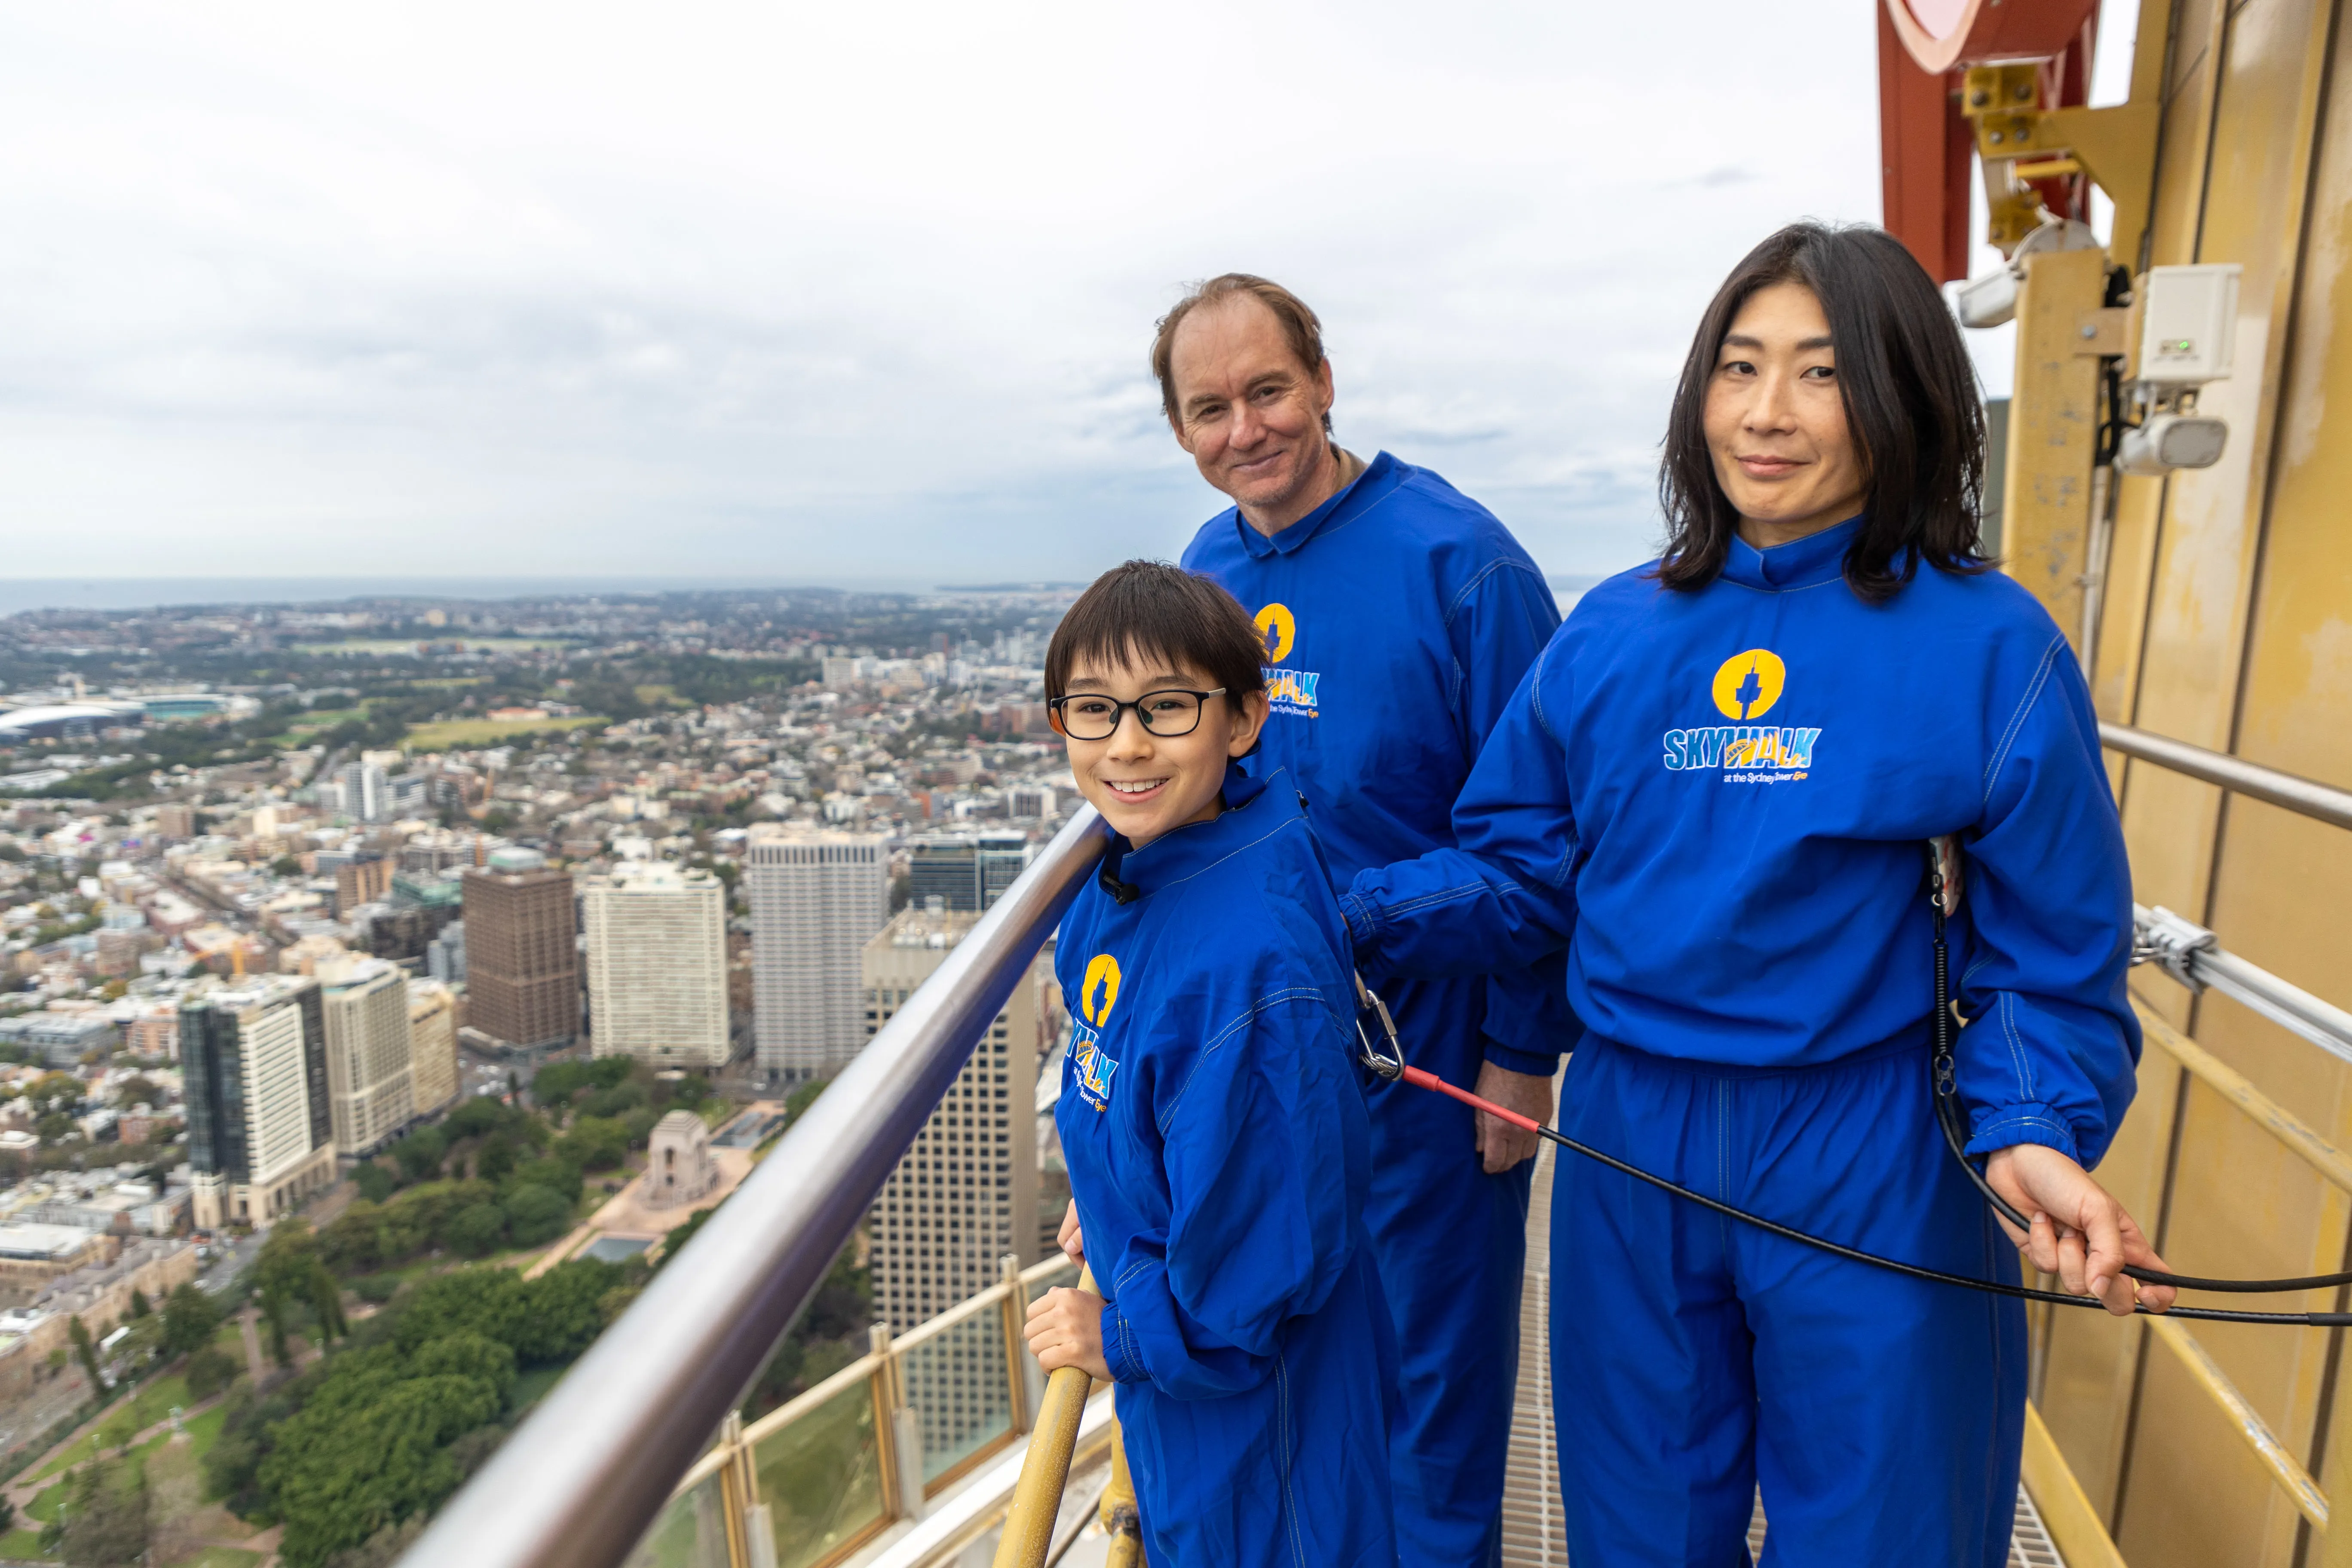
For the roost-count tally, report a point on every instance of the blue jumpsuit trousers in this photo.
(1695, 1358)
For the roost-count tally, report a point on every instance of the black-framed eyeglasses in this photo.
(1089, 716)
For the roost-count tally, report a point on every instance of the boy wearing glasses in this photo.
(1211, 1111)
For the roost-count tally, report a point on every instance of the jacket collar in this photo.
(1348, 501)
(1804, 562)
(1253, 809)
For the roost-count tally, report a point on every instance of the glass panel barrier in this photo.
(955, 1384)
(822, 1480)
(690, 1533)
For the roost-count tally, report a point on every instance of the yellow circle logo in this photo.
(1747, 684)
(1279, 628)
(1100, 994)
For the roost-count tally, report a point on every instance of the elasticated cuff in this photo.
(1119, 1351)
(2011, 1125)
(1363, 921)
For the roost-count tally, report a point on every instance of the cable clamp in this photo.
(2172, 942)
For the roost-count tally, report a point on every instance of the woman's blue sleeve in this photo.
(1504, 895)
(2052, 1042)
(1266, 1149)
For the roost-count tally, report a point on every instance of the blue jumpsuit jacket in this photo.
(1399, 617)
(1213, 1124)
(1717, 801)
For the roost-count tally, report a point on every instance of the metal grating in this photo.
(1534, 1535)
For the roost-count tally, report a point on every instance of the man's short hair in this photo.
(1146, 614)
(1299, 325)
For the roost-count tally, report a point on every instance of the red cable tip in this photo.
(1425, 1080)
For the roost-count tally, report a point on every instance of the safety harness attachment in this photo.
(1384, 1060)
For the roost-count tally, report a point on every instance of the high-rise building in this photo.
(260, 1134)
(433, 1044)
(965, 871)
(367, 792)
(445, 955)
(522, 953)
(371, 1094)
(815, 897)
(999, 859)
(657, 965)
(946, 866)
(176, 819)
(363, 878)
(966, 1193)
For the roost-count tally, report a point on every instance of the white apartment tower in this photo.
(260, 1136)
(657, 965)
(965, 1195)
(817, 897)
(371, 1092)
(433, 1044)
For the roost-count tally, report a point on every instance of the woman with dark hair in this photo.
(1715, 789)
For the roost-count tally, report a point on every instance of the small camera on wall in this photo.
(2188, 328)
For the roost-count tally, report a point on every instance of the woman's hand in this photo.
(1064, 1329)
(1072, 1243)
(2080, 1232)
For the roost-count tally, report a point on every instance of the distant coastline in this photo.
(20, 594)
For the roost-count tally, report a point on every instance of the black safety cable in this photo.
(1942, 897)
(1391, 1066)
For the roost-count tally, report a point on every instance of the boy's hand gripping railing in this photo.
(1045, 1471)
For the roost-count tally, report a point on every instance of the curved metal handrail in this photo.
(588, 1474)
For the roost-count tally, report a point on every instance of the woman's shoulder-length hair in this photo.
(1910, 396)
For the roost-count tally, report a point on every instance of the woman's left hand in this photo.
(1064, 1329)
(2080, 1232)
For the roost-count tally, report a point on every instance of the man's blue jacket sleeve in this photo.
(2047, 902)
(1500, 624)
(1503, 897)
(1265, 1141)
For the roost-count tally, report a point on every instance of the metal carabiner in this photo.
(1388, 1067)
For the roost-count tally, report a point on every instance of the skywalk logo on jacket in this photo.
(1747, 686)
(1089, 1065)
(1288, 691)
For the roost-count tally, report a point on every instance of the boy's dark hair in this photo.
(1146, 614)
(1910, 396)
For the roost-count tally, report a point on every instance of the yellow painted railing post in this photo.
(1121, 1520)
(895, 1505)
(1046, 1469)
(1014, 1314)
(2075, 1526)
(2335, 1475)
(2054, 422)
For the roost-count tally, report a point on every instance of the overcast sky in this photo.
(851, 293)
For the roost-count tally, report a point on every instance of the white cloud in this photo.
(836, 292)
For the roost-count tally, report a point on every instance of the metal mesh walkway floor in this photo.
(1533, 1535)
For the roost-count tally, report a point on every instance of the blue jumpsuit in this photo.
(1214, 1126)
(1719, 800)
(1398, 618)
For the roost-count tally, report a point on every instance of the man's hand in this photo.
(1499, 1144)
(1064, 1329)
(1071, 1242)
(2080, 1233)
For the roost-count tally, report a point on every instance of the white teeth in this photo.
(1134, 786)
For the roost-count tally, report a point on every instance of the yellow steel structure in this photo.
(2222, 617)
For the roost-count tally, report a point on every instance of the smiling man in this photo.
(1398, 617)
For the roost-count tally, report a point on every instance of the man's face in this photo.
(1248, 411)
